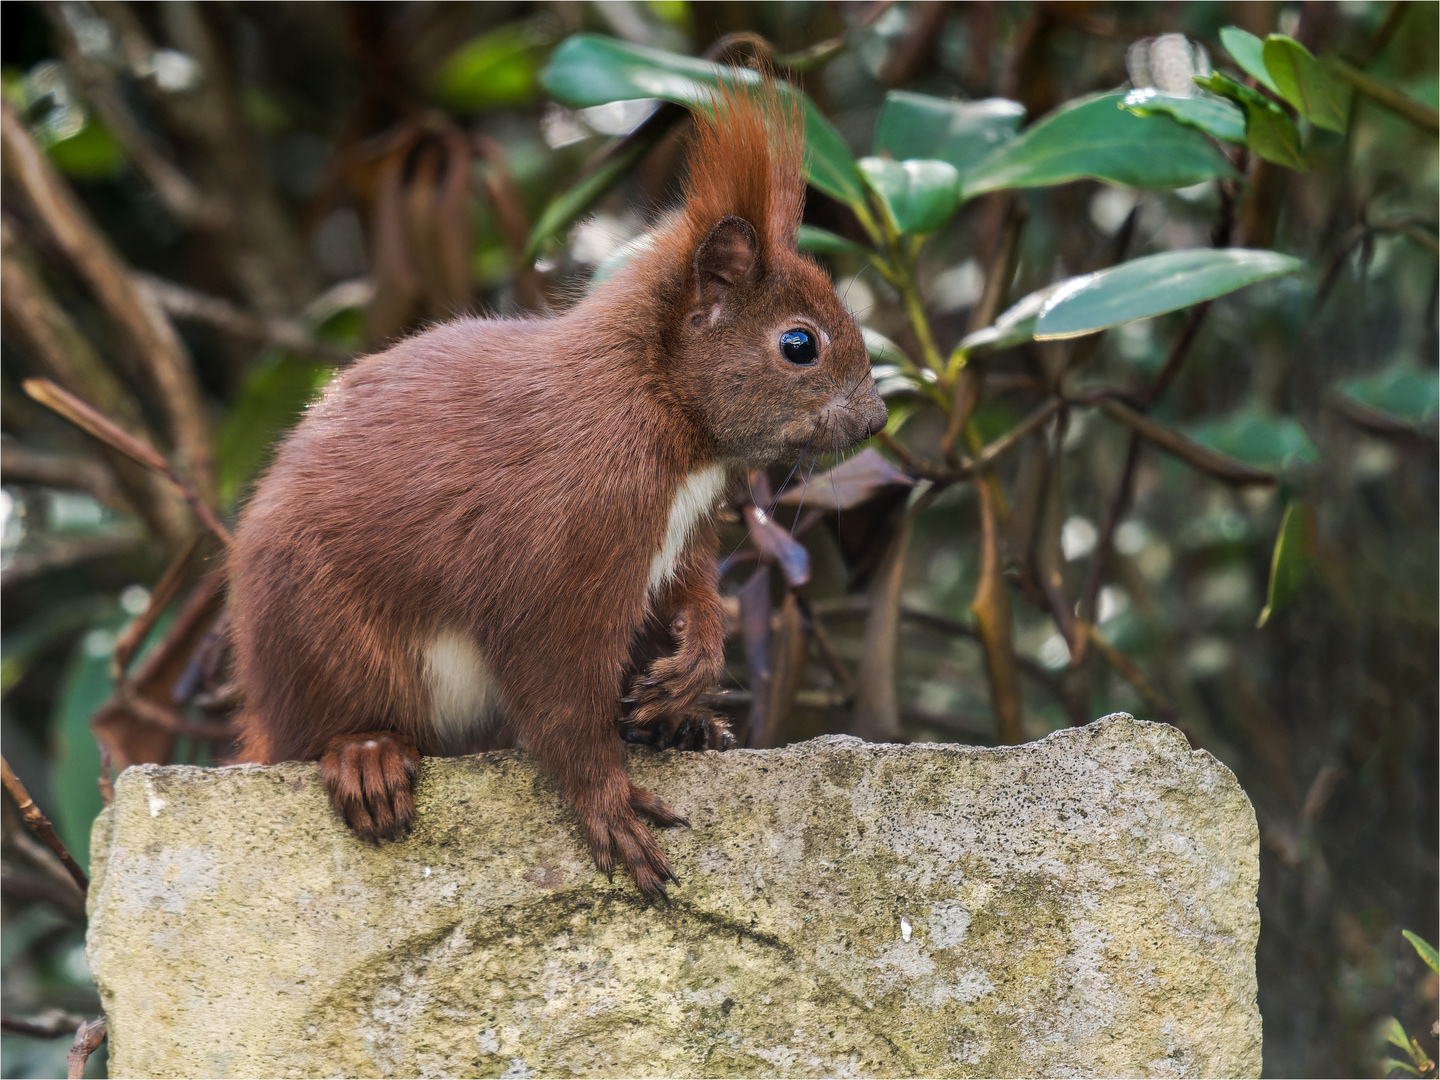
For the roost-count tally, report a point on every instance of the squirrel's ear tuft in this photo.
(726, 258)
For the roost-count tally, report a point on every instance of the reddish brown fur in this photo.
(511, 480)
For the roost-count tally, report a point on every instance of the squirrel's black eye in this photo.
(798, 346)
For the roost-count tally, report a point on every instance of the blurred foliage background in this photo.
(1207, 500)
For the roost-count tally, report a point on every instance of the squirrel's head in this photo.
(772, 360)
(764, 354)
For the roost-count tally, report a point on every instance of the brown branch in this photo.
(51, 1024)
(1214, 464)
(154, 339)
(991, 608)
(93, 423)
(191, 305)
(1425, 117)
(1106, 544)
(88, 1037)
(182, 197)
(40, 823)
(876, 714)
(58, 348)
(1178, 352)
(21, 465)
(1132, 674)
(1012, 438)
(166, 589)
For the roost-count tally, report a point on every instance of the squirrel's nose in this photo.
(879, 417)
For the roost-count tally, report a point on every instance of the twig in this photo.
(1178, 352)
(155, 341)
(40, 824)
(184, 200)
(1128, 671)
(991, 608)
(1222, 468)
(1012, 438)
(89, 420)
(912, 462)
(51, 1024)
(164, 592)
(1106, 543)
(1425, 117)
(88, 1038)
(194, 306)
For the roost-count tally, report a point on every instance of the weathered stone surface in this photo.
(1083, 905)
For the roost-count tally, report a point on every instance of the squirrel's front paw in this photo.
(692, 729)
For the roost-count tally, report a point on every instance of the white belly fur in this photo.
(464, 697)
(694, 499)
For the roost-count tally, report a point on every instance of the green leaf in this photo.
(1292, 560)
(498, 68)
(21, 647)
(1269, 132)
(1249, 52)
(1395, 1035)
(90, 154)
(1390, 1065)
(1272, 443)
(271, 399)
(1212, 115)
(920, 195)
(1317, 93)
(1153, 285)
(884, 351)
(814, 238)
(590, 70)
(1407, 395)
(1426, 951)
(75, 767)
(960, 132)
(1016, 324)
(1093, 138)
(588, 190)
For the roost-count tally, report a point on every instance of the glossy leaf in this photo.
(960, 132)
(271, 399)
(590, 70)
(1015, 325)
(1317, 93)
(498, 68)
(1424, 948)
(855, 480)
(1269, 131)
(1274, 443)
(1213, 115)
(920, 195)
(814, 238)
(1407, 395)
(1249, 52)
(1292, 560)
(1152, 286)
(1094, 138)
(75, 767)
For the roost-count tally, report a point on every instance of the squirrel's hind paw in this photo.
(370, 777)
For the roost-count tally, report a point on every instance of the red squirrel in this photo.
(464, 538)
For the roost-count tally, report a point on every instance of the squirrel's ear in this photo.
(727, 258)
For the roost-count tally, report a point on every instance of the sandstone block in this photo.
(1084, 905)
